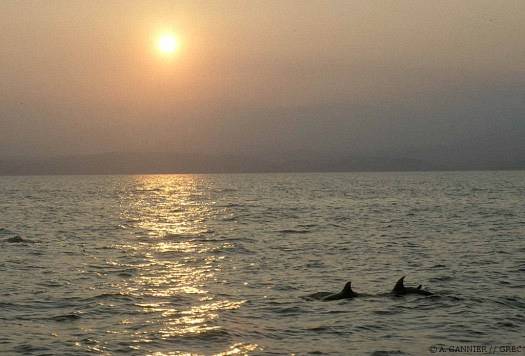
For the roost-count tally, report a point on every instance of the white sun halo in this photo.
(167, 43)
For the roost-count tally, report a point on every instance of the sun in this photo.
(167, 43)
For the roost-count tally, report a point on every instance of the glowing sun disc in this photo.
(167, 44)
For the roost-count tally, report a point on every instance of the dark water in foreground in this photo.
(218, 263)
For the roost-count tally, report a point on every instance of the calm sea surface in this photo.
(217, 264)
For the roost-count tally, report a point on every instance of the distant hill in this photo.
(165, 162)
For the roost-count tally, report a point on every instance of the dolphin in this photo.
(346, 293)
(400, 289)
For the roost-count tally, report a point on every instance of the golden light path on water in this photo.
(167, 215)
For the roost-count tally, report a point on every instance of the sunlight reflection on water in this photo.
(172, 219)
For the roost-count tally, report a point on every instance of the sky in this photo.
(433, 80)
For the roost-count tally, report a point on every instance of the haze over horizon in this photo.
(441, 82)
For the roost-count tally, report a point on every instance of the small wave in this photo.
(206, 333)
(387, 353)
(103, 296)
(512, 302)
(4, 305)
(148, 190)
(187, 235)
(125, 274)
(441, 278)
(50, 284)
(65, 317)
(290, 311)
(315, 264)
(370, 327)
(230, 205)
(439, 266)
(224, 190)
(293, 231)
(307, 225)
(386, 312)
(338, 311)
(450, 298)
(506, 324)
(220, 239)
(30, 349)
(284, 287)
(319, 328)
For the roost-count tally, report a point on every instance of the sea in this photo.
(221, 264)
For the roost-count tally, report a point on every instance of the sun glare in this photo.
(167, 43)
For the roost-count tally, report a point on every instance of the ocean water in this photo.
(217, 264)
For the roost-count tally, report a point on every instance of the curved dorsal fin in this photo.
(399, 285)
(348, 288)
(419, 286)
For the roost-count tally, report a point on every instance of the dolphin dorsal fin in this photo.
(348, 288)
(399, 285)
(419, 286)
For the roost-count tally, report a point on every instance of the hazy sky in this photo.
(413, 78)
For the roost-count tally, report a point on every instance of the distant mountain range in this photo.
(165, 162)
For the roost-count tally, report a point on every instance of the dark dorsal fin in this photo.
(347, 288)
(419, 286)
(399, 285)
